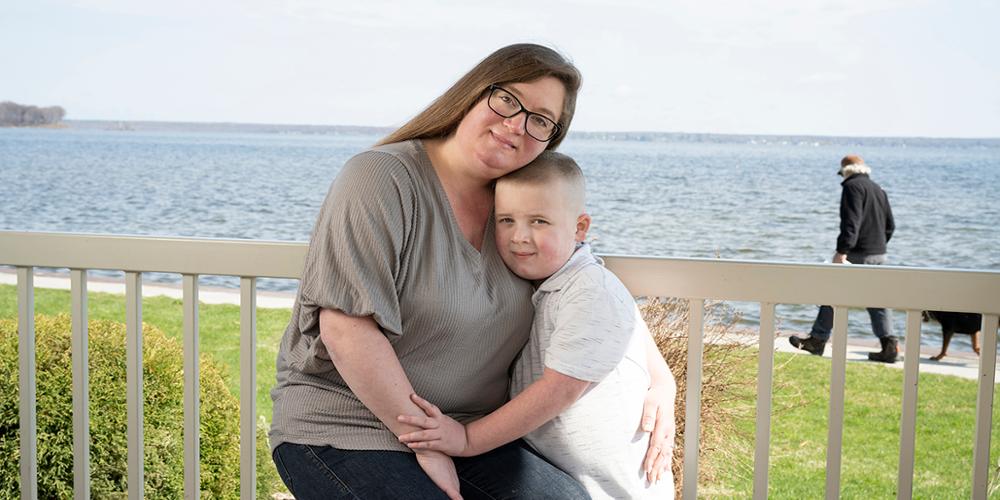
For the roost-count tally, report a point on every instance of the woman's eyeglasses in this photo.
(540, 127)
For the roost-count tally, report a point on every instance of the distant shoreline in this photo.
(641, 136)
(46, 125)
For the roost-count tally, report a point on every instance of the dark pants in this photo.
(881, 318)
(511, 471)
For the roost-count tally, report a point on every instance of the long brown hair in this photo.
(522, 62)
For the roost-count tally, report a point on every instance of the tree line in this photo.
(19, 115)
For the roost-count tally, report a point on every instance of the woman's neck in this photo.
(450, 164)
(471, 198)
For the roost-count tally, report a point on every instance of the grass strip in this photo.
(946, 407)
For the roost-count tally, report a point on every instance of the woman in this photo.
(402, 293)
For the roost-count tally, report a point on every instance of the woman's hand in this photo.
(441, 469)
(658, 420)
(440, 432)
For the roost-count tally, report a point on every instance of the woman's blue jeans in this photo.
(511, 471)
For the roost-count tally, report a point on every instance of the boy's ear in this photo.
(582, 226)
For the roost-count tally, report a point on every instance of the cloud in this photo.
(764, 23)
(181, 9)
(624, 90)
(822, 78)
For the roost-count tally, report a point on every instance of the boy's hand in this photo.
(441, 469)
(658, 420)
(441, 432)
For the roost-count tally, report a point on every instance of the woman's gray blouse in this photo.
(387, 245)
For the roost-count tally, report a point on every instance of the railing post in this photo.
(692, 408)
(248, 388)
(81, 385)
(908, 420)
(192, 391)
(765, 375)
(26, 376)
(984, 407)
(133, 383)
(838, 378)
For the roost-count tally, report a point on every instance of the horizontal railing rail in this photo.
(697, 280)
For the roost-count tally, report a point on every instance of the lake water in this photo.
(733, 197)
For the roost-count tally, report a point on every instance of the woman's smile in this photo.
(503, 141)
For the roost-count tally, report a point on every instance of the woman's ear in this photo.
(582, 226)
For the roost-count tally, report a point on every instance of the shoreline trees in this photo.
(20, 115)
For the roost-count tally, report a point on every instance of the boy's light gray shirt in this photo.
(588, 326)
(386, 245)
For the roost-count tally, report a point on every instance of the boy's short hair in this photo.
(548, 167)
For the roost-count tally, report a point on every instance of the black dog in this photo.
(952, 323)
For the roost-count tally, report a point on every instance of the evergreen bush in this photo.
(162, 409)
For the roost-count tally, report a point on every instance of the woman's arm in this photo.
(367, 362)
(537, 404)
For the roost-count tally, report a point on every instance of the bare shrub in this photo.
(729, 354)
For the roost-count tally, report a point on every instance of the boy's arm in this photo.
(658, 412)
(588, 339)
(537, 404)
(661, 381)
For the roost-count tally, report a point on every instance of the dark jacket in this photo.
(866, 222)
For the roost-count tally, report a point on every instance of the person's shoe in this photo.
(889, 352)
(810, 344)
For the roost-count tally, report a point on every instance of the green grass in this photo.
(219, 329)
(945, 426)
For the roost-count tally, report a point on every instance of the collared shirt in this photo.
(584, 321)
(587, 326)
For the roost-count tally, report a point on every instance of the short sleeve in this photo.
(592, 328)
(354, 258)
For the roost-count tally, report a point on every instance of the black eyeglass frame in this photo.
(527, 114)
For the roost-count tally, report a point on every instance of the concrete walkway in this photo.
(206, 294)
(957, 363)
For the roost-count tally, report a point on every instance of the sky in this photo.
(926, 68)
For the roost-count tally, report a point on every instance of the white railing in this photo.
(696, 280)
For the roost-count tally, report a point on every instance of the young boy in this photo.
(578, 386)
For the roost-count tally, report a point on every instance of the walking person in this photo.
(866, 225)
